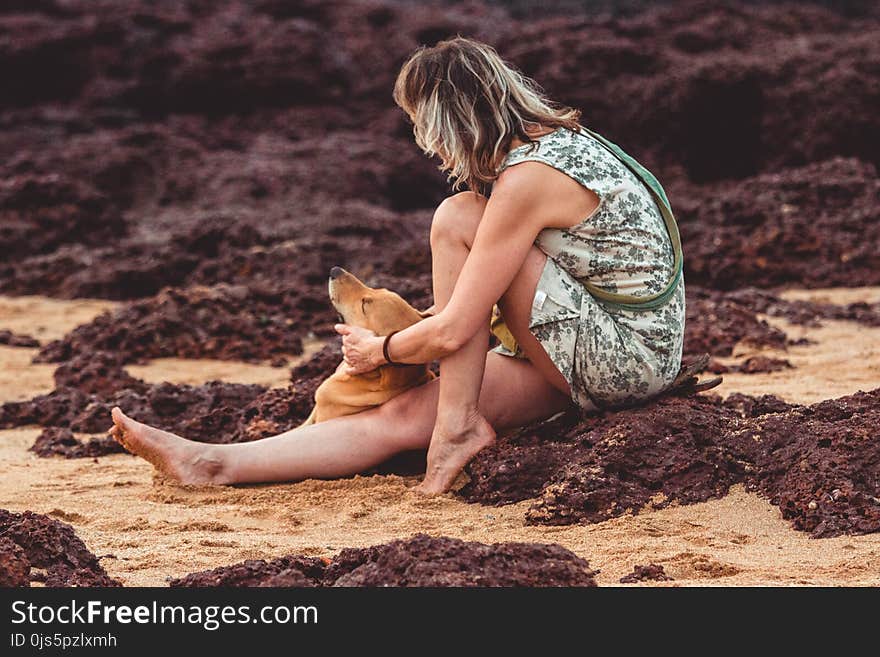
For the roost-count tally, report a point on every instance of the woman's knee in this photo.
(410, 416)
(456, 219)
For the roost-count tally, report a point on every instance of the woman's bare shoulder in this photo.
(529, 192)
(526, 172)
(526, 177)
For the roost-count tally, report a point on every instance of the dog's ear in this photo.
(427, 312)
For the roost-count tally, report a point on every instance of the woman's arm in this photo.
(511, 221)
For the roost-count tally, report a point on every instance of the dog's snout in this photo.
(336, 272)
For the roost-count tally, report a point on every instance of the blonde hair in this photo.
(467, 104)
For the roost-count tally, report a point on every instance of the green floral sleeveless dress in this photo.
(610, 355)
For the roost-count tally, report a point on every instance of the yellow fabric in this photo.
(499, 330)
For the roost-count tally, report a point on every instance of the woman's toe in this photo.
(117, 415)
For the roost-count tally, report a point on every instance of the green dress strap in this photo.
(649, 302)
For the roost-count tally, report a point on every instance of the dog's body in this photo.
(382, 312)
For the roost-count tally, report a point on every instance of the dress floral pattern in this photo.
(611, 356)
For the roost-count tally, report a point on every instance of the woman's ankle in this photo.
(458, 419)
(212, 466)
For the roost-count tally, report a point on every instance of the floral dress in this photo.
(610, 355)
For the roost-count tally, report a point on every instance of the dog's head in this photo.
(381, 311)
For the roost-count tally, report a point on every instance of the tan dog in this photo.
(380, 311)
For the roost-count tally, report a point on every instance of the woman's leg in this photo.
(461, 430)
(514, 393)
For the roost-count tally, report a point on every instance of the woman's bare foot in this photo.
(451, 449)
(185, 461)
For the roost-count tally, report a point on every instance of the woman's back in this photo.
(610, 354)
(623, 246)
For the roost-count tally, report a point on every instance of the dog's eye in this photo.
(364, 303)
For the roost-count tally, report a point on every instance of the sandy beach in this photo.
(146, 530)
(179, 180)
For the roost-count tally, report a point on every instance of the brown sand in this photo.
(43, 319)
(197, 371)
(150, 529)
(48, 319)
(838, 295)
(845, 359)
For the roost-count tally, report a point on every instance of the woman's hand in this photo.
(361, 349)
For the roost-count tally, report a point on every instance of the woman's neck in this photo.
(536, 131)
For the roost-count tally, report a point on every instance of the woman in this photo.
(567, 228)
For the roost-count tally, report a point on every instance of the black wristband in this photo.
(385, 349)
